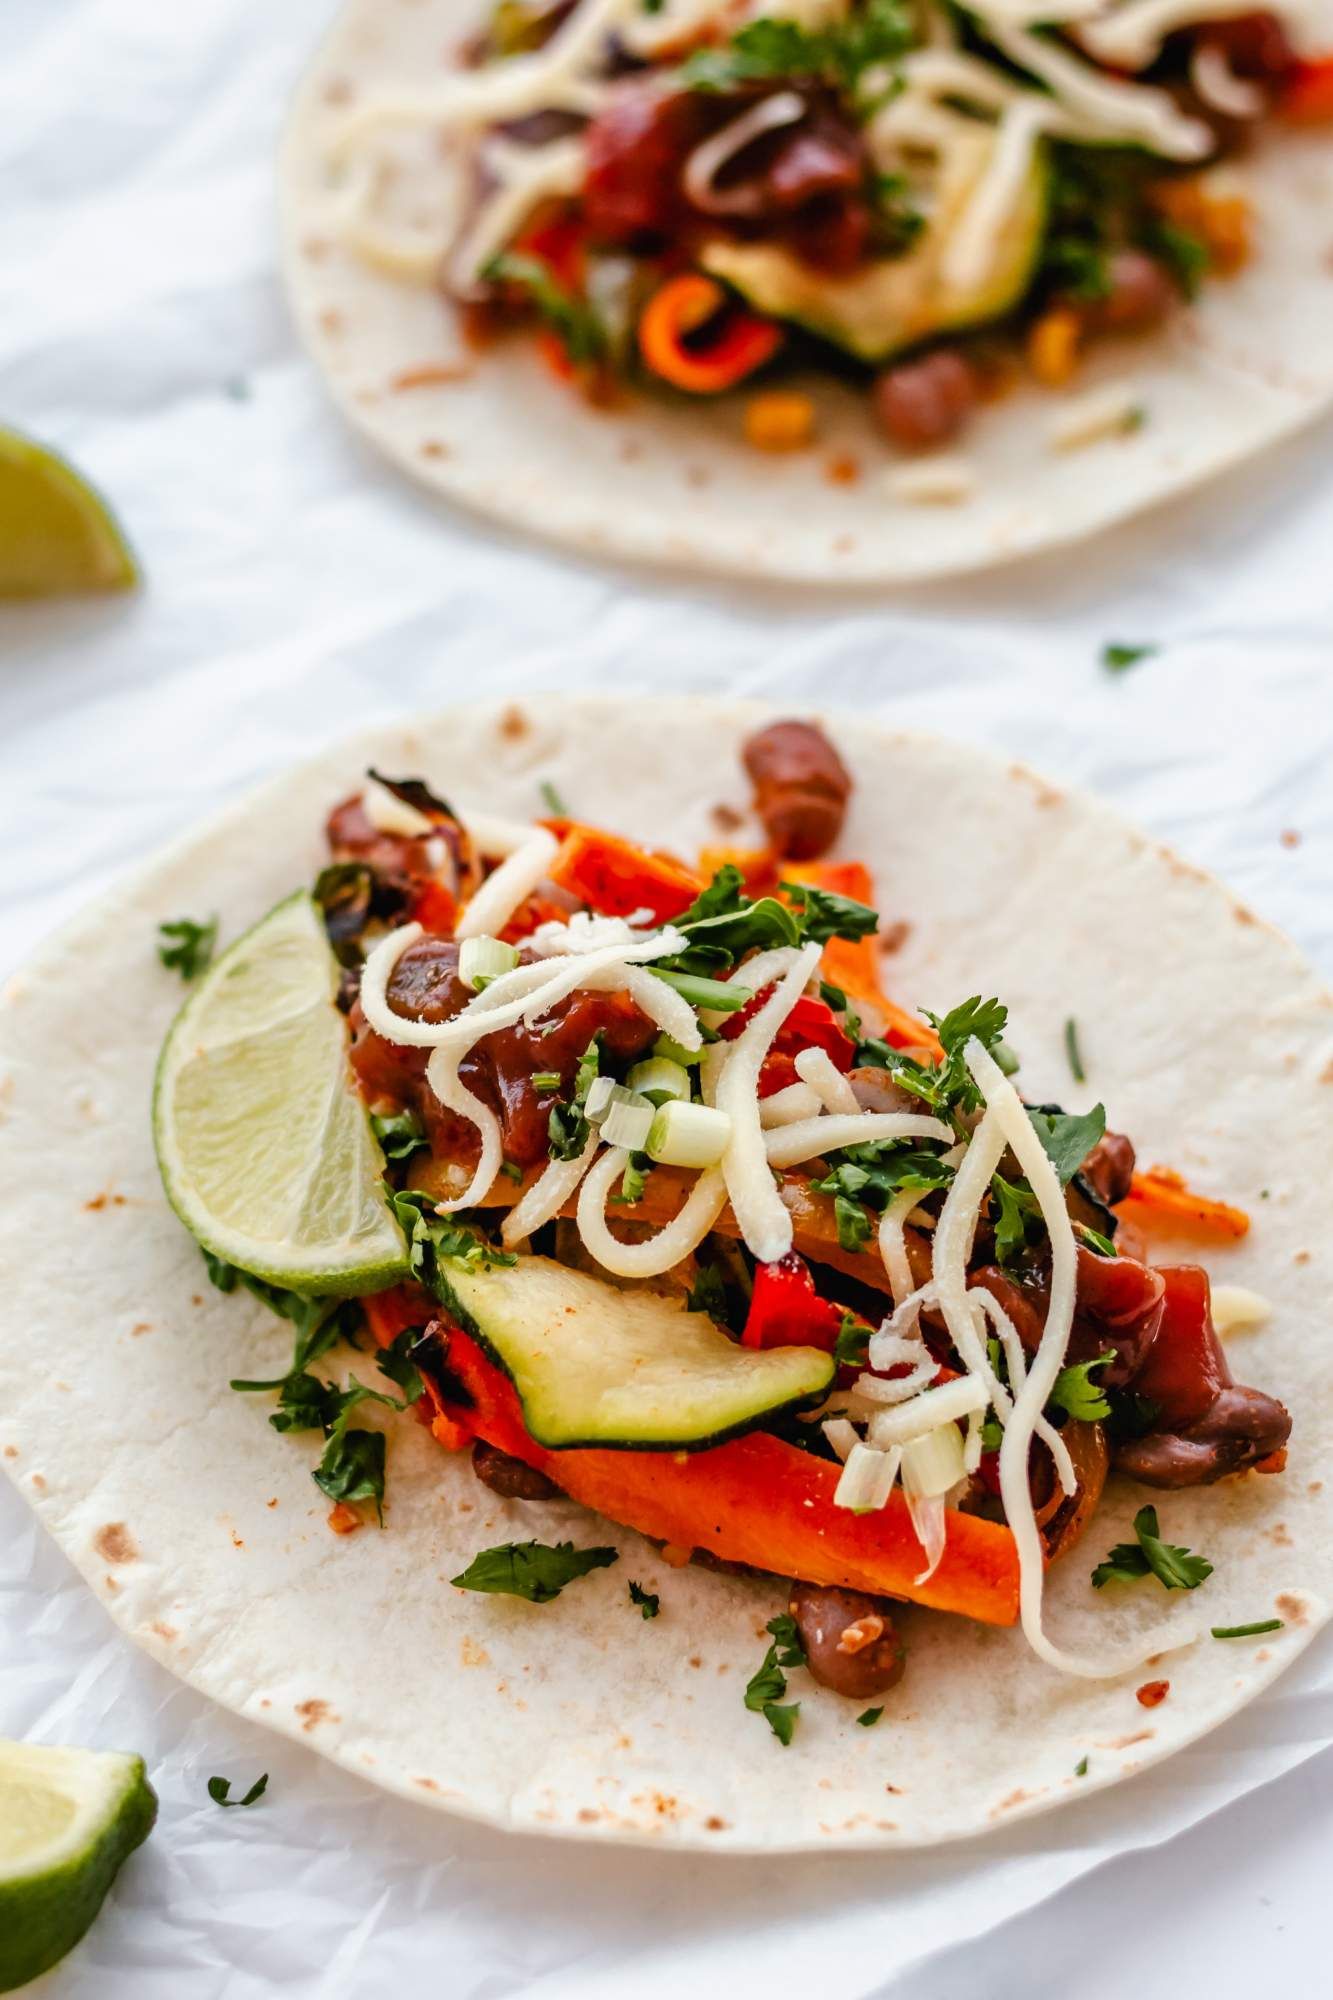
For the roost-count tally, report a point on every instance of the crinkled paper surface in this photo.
(296, 591)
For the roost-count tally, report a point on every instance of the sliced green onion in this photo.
(603, 1092)
(719, 996)
(628, 1121)
(482, 959)
(546, 1079)
(1247, 1631)
(933, 1463)
(659, 1079)
(1005, 1058)
(671, 1051)
(688, 1135)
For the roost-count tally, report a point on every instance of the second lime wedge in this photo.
(58, 537)
(265, 1148)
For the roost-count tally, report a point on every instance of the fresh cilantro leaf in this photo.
(766, 1683)
(992, 1434)
(1081, 1768)
(395, 1362)
(825, 915)
(1117, 656)
(1018, 1214)
(352, 1467)
(566, 1127)
(1068, 1137)
(853, 1223)
(786, 1640)
(1247, 1631)
(1095, 1240)
(974, 1020)
(869, 1717)
(552, 800)
(833, 996)
(708, 1294)
(187, 947)
(1185, 255)
(849, 1349)
(647, 1600)
(877, 33)
(304, 1403)
(945, 1085)
(1073, 1051)
(399, 1133)
(537, 1571)
(433, 1239)
(782, 1719)
(218, 1789)
(1175, 1568)
(320, 1323)
(573, 321)
(870, 1175)
(1075, 1392)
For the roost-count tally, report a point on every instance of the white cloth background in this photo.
(295, 591)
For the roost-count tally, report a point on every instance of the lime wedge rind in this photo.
(68, 1819)
(58, 536)
(265, 1150)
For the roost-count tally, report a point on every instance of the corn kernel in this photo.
(779, 421)
(1052, 346)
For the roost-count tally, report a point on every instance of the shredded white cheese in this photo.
(547, 1195)
(1132, 36)
(1219, 86)
(763, 1221)
(510, 885)
(1114, 411)
(816, 1067)
(788, 1145)
(935, 482)
(789, 1106)
(656, 1254)
(388, 813)
(1236, 1309)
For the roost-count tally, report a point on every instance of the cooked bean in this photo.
(926, 402)
(1141, 294)
(801, 786)
(1240, 1427)
(510, 1477)
(1110, 1167)
(849, 1640)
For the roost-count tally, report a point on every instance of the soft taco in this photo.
(820, 289)
(714, 1348)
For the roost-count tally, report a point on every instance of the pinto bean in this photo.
(849, 1640)
(1241, 1427)
(801, 787)
(1141, 294)
(510, 1477)
(1109, 1167)
(926, 402)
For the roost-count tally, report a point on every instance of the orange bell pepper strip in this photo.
(1163, 1196)
(758, 866)
(753, 1500)
(680, 307)
(436, 909)
(852, 964)
(1307, 97)
(615, 878)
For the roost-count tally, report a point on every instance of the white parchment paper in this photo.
(294, 591)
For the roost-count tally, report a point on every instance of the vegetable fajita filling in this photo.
(705, 1231)
(922, 199)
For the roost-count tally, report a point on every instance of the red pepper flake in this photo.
(343, 1519)
(1151, 1693)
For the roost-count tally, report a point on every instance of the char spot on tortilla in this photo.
(338, 90)
(1315, 1486)
(101, 1201)
(426, 1784)
(894, 938)
(1242, 915)
(314, 1712)
(1326, 1073)
(167, 1632)
(727, 818)
(434, 448)
(115, 1544)
(715, 1825)
(141, 1326)
(331, 320)
(315, 249)
(12, 1451)
(39, 1482)
(473, 1655)
(514, 725)
(1279, 1535)
(1301, 1257)
(587, 1815)
(1292, 1608)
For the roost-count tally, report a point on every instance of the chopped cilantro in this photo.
(853, 1223)
(187, 947)
(1247, 1631)
(1095, 1240)
(1117, 656)
(825, 915)
(647, 1600)
(399, 1133)
(567, 1128)
(512, 1172)
(1018, 1215)
(218, 1789)
(319, 1323)
(1067, 1136)
(877, 33)
(572, 320)
(869, 1717)
(782, 1719)
(395, 1362)
(352, 1467)
(1185, 255)
(1073, 1052)
(946, 1085)
(537, 1571)
(849, 1349)
(552, 800)
(767, 1684)
(433, 1239)
(1075, 1392)
(1081, 1768)
(1175, 1568)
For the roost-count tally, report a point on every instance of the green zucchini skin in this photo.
(595, 1367)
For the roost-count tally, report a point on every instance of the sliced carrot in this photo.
(854, 964)
(616, 878)
(680, 308)
(344, 1520)
(755, 1500)
(390, 1313)
(1163, 1195)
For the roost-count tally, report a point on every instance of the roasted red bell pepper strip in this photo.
(390, 1313)
(1307, 97)
(679, 308)
(616, 878)
(1185, 1368)
(754, 1500)
(787, 1311)
(811, 1024)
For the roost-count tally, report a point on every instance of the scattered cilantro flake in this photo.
(552, 800)
(1175, 1568)
(1074, 1391)
(782, 1719)
(395, 1362)
(1017, 1212)
(853, 1223)
(1081, 1768)
(433, 1239)
(320, 1323)
(869, 1717)
(399, 1133)
(218, 1789)
(1067, 1136)
(1247, 1631)
(1117, 656)
(537, 1571)
(352, 1467)
(647, 1600)
(876, 33)
(1073, 1051)
(576, 326)
(849, 1349)
(768, 1683)
(187, 947)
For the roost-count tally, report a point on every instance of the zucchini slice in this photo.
(594, 1365)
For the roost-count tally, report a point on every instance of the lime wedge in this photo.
(57, 534)
(265, 1149)
(68, 1818)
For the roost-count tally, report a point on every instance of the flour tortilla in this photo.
(665, 480)
(200, 1530)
